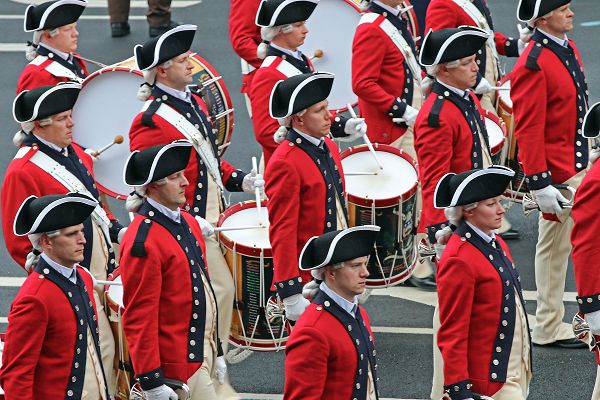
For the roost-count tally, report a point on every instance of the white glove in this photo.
(410, 115)
(295, 306)
(548, 199)
(594, 155)
(280, 134)
(207, 228)
(522, 46)
(252, 181)
(483, 87)
(439, 250)
(121, 234)
(426, 84)
(91, 154)
(220, 369)
(525, 33)
(355, 128)
(162, 392)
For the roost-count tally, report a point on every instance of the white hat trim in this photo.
(472, 31)
(585, 119)
(437, 187)
(494, 169)
(279, 9)
(180, 28)
(317, 75)
(41, 99)
(536, 10)
(177, 143)
(59, 3)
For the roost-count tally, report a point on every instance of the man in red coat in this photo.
(304, 182)
(52, 347)
(174, 111)
(170, 317)
(49, 162)
(454, 13)
(52, 50)
(550, 98)
(330, 353)
(483, 334)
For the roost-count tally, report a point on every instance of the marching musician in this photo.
(51, 52)
(52, 349)
(49, 162)
(455, 13)
(283, 30)
(330, 354)
(550, 99)
(484, 333)
(304, 181)
(170, 317)
(174, 111)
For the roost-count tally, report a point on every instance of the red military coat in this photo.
(322, 357)
(297, 210)
(44, 70)
(549, 102)
(441, 150)
(159, 298)
(244, 35)
(380, 75)
(22, 179)
(476, 283)
(42, 336)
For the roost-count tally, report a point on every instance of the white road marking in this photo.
(6, 281)
(134, 3)
(3, 320)
(88, 17)
(402, 330)
(261, 396)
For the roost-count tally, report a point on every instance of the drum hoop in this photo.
(413, 19)
(109, 301)
(390, 201)
(500, 122)
(258, 344)
(242, 248)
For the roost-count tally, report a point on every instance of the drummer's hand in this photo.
(207, 228)
(280, 134)
(355, 128)
(549, 199)
(410, 115)
(220, 369)
(253, 181)
(525, 33)
(295, 306)
(91, 152)
(483, 87)
(426, 84)
(522, 45)
(121, 234)
(162, 392)
(594, 154)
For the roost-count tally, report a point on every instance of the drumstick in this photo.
(89, 60)
(99, 282)
(238, 228)
(358, 173)
(117, 140)
(318, 54)
(210, 81)
(257, 192)
(499, 88)
(366, 139)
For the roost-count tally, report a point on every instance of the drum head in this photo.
(253, 238)
(505, 95)
(114, 293)
(495, 135)
(106, 107)
(331, 29)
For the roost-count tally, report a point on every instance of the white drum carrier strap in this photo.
(185, 127)
(389, 29)
(246, 67)
(284, 67)
(70, 182)
(481, 21)
(56, 69)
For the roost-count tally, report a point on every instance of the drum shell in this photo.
(497, 150)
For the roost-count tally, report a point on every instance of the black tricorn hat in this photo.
(591, 122)
(280, 12)
(299, 92)
(338, 246)
(451, 44)
(157, 162)
(528, 10)
(53, 212)
(471, 186)
(164, 47)
(53, 14)
(44, 101)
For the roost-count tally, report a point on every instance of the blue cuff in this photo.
(589, 304)
(113, 230)
(539, 180)
(338, 124)
(151, 379)
(289, 287)
(512, 47)
(459, 390)
(234, 183)
(397, 109)
(432, 229)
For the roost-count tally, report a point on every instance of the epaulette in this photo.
(433, 119)
(533, 56)
(138, 249)
(149, 113)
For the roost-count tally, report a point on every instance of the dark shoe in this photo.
(119, 29)
(566, 344)
(427, 283)
(511, 234)
(155, 31)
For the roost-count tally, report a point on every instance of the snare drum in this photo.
(496, 131)
(114, 301)
(387, 198)
(258, 323)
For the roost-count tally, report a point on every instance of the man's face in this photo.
(294, 39)
(179, 74)
(66, 248)
(172, 193)
(350, 280)
(463, 76)
(487, 216)
(316, 121)
(65, 40)
(59, 131)
(560, 22)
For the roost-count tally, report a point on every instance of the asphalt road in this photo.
(402, 316)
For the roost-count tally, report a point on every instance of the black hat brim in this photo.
(275, 13)
(51, 213)
(53, 14)
(299, 92)
(45, 101)
(451, 44)
(157, 162)
(165, 47)
(528, 10)
(591, 122)
(338, 246)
